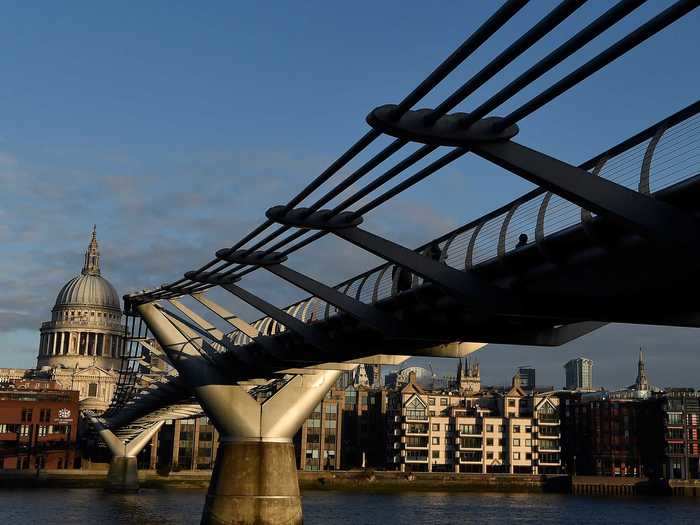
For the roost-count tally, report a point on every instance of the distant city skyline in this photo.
(223, 112)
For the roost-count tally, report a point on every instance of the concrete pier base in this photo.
(123, 475)
(254, 483)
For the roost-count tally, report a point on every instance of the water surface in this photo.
(181, 507)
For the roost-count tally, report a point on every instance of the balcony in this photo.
(551, 445)
(471, 431)
(471, 444)
(548, 419)
(549, 459)
(470, 457)
(417, 430)
(415, 417)
(417, 442)
(416, 457)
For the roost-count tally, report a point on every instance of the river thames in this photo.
(180, 507)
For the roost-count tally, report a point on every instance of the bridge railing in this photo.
(662, 155)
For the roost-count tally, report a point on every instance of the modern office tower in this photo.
(579, 374)
(527, 377)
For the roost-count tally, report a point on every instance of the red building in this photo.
(38, 428)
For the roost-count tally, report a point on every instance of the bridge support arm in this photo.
(123, 471)
(254, 479)
(464, 286)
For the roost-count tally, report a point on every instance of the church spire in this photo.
(91, 266)
(642, 382)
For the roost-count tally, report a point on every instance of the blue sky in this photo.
(173, 126)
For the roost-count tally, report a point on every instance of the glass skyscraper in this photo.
(579, 374)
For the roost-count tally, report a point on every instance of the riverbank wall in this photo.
(372, 481)
(375, 481)
(607, 486)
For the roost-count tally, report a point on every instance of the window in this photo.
(350, 398)
(415, 409)
(516, 429)
(676, 448)
(528, 442)
(549, 444)
(470, 429)
(92, 390)
(516, 442)
(516, 455)
(675, 433)
(443, 401)
(416, 441)
(431, 401)
(331, 409)
(436, 427)
(528, 455)
(500, 428)
(489, 428)
(26, 414)
(436, 454)
(511, 403)
(436, 441)
(675, 419)
(528, 429)
(489, 442)
(489, 455)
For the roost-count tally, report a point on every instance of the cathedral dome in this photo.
(89, 288)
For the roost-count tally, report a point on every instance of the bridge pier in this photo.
(123, 476)
(255, 477)
(254, 482)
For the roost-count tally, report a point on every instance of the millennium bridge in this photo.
(614, 239)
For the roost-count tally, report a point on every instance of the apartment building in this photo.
(479, 431)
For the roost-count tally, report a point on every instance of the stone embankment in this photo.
(374, 481)
(383, 481)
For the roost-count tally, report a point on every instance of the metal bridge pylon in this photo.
(255, 477)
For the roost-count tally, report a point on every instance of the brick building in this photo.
(606, 436)
(677, 417)
(38, 428)
(346, 430)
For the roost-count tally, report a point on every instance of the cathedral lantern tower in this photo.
(81, 344)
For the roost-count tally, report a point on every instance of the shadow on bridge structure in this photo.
(614, 239)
